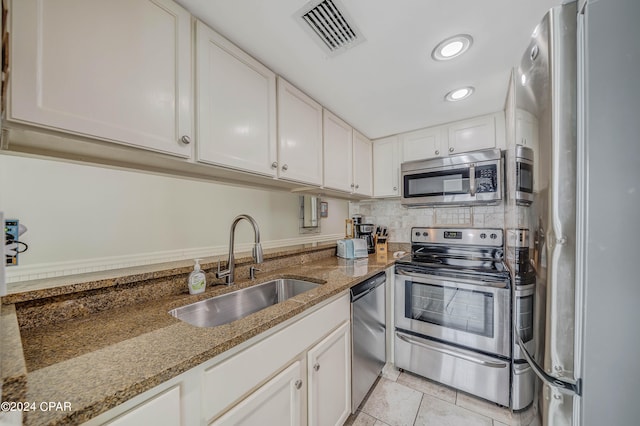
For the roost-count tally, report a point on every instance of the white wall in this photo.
(83, 218)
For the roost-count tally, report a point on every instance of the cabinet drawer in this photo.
(227, 382)
(162, 410)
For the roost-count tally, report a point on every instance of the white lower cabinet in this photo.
(161, 410)
(329, 372)
(278, 402)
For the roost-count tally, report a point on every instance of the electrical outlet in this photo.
(11, 231)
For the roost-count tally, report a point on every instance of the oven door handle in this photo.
(422, 343)
(421, 279)
(472, 179)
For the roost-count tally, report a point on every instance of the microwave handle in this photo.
(472, 179)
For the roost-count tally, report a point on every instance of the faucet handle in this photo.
(221, 274)
(252, 272)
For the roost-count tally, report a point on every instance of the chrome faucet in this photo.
(228, 273)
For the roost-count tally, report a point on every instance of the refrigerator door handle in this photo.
(567, 386)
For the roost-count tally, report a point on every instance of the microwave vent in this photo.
(330, 26)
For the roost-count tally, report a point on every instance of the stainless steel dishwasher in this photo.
(368, 336)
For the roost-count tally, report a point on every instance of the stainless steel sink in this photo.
(238, 304)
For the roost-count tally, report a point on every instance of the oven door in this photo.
(460, 311)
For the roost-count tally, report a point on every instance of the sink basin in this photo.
(238, 304)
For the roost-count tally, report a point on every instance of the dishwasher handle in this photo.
(360, 290)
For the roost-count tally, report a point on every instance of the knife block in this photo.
(381, 249)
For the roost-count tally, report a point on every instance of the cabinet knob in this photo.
(352, 185)
(316, 367)
(285, 168)
(437, 152)
(298, 384)
(185, 139)
(357, 186)
(395, 188)
(274, 165)
(450, 149)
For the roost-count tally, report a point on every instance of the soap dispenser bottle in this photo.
(197, 279)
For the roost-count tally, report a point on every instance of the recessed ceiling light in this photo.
(459, 94)
(452, 47)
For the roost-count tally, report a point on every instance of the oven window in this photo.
(466, 310)
(524, 317)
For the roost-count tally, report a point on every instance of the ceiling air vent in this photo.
(329, 24)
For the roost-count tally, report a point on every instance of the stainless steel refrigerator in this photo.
(578, 91)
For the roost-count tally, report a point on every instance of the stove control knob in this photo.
(424, 234)
(417, 233)
(483, 235)
(494, 236)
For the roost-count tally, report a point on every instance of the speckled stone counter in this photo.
(99, 357)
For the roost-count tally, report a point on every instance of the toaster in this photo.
(353, 248)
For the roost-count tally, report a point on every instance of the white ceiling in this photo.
(388, 84)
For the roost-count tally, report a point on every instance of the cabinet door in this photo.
(362, 164)
(421, 144)
(116, 70)
(470, 135)
(236, 111)
(162, 410)
(277, 402)
(329, 370)
(386, 167)
(337, 147)
(300, 136)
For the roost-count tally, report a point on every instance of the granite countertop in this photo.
(98, 361)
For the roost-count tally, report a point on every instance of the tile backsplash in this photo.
(399, 219)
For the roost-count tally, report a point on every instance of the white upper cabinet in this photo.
(299, 136)
(116, 70)
(338, 153)
(422, 144)
(362, 165)
(236, 109)
(386, 167)
(473, 134)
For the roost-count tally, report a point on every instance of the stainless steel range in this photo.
(453, 311)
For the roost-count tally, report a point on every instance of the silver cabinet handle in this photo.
(465, 357)
(316, 367)
(298, 384)
(185, 139)
(472, 179)
(437, 152)
(450, 149)
(274, 165)
(285, 168)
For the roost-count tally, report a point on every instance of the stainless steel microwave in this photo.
(524, 175)
(463, 179)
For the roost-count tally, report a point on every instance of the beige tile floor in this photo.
(404, 399)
